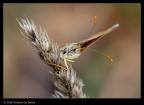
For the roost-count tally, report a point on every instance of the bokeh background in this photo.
(26, 76)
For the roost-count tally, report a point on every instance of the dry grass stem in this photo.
(69, 85)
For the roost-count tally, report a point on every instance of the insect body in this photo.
(74, 50)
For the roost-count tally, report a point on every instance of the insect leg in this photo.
(69, 60)
(65, 61)
(56, 65)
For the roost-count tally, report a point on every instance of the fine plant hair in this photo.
(68, 84)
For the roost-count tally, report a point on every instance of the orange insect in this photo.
(74, 50)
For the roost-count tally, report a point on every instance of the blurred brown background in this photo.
(26, 76)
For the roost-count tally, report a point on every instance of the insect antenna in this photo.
(95, 18)
(106, 55)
